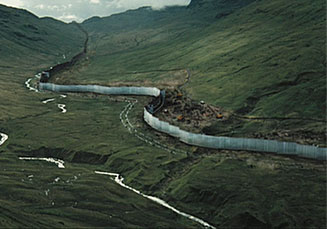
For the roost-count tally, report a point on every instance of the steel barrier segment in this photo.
(249, 144)
(259, 145)
(148, 91)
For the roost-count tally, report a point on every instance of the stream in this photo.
(58, 162)
(4, 138)
(62, 107)
(48, 100)
(120, 180)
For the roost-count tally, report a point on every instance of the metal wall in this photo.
(148, 91)
(259, 145)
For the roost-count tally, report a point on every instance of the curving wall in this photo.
(260, 145)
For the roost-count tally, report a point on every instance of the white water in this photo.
(28, 85)
(62, 107)
(58, 162)
(4, 138)
(119, 180)
(48, 100)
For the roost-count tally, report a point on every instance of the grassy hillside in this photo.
(252, 58)
(25, 35)
(263, 55)
(263, 59)
(224, 44)
(28, 45)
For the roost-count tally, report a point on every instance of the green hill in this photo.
(252, 58)
(24, 34)
(258, 59)
(28, 45)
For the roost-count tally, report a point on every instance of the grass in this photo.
(79, 192)
(37, 129)
(266, 59)
(264, 48)
(25, 35)
(234, 187)
(254, 61)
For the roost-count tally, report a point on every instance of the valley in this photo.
(93, 132)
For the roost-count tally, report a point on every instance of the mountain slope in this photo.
(264, 59)
(225, 49)
(36, 193)
(254, 58)
(23, 34)
(28, 45)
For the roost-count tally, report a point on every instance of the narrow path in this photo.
(141, 136)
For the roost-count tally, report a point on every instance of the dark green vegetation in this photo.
(253, 58)
(261, 59)
(28, 45)
(26, 38)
